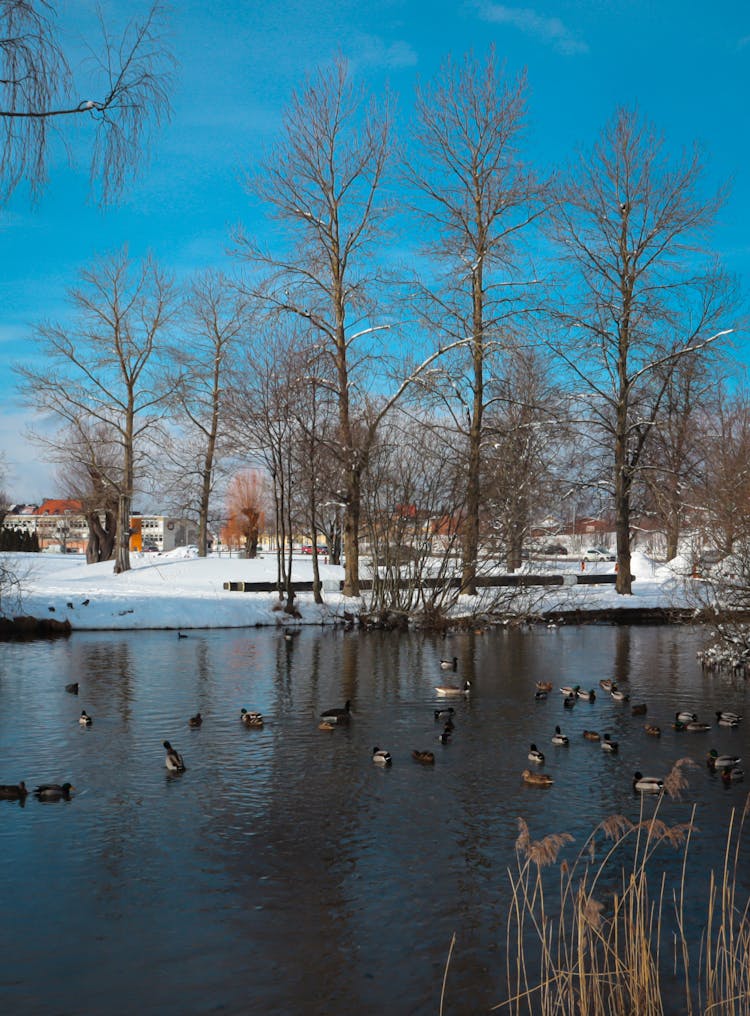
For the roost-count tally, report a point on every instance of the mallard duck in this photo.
(606, 684)
(647, 784)
(727, 719)
(536, 779)
(696, 727)
(195, 721)
(381, 757)
(173, 761)
(544, 686)
(639, 710)
(732, 775)
(685, 717)
(535, 755)
(618, 695)
(608, 745)
(445, 737)
(451, 664)
(540, 696)
(84, 719)
(558, 737)
(653, 730)
(13, 791)
(251, 719)
(591, 735)
(452, 689)
(53, 791)
(341, 715)
(426, 758)
(569, 701)
(569, 689)
(716, 761)
(72, 688)
(588, 696)
(444, 714)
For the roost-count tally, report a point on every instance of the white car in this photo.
(598, 554)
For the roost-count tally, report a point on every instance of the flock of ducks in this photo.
(728, 766)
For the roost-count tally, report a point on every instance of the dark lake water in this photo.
(283, 872)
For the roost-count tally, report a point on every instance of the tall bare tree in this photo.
(627, 222)
(126, 93)
(323, 181)
(214, 320)
(106, 366)
(478, 198)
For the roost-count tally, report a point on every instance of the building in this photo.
(61, 526)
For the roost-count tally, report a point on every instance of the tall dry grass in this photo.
(612, 936)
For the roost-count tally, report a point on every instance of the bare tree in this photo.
(214, 321)
(627, 221)
(478, 197)
(323, 182)
(127, 91)
(246, 499)
(106, 368)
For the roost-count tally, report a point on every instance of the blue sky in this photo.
(684, 63)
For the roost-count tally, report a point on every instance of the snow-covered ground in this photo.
(180, 590)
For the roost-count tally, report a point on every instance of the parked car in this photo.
(307, 549)
(554, 549)
(598, 554)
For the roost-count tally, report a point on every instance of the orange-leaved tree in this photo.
(245, 510)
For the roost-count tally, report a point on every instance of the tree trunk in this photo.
(122, 558)
(623, 482)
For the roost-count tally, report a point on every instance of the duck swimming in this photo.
(426, 758)
(727, 719)
(535, 755)
(569, 689)
(732, 775)
(606, 684)
(195, 721)
(558, 737)
(452, 689)
(647, 784)
(253, 719)
(609, 745)
(13, 791)
(338, 715)
(591, 735)
(653, 730)
(685, 717)
(84, 719)
(173, 761)
(381, 757)
(72, 688)
(617, 695)
(536, 779)
(544, 686)
(587, 696)
(53, 791)
(444, 714)
(716, 761)
(449, 664)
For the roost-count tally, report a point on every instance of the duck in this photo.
(381, 757)
(425, 758)
(452, 689)
(325, 725)
(618, 695)
(652, 730)
(13, 791)
(647, 784)
(591, 735)
(640, 709)
(449, 725)
(732, 775)
(588, 696)
(53, 791)
(569, 689)
(72, 689)
(341, 715)
(695, 727)
(535, 755)
(445, 737)
(536, 779)
(606, 684)
(253, 719)
(716, 761)
(84, 719)
(195, 721)
(451, 664)
(685, 717)
(558, 737)
(544, 686)
(569, 701)
(540, 696)
(444, 714)
(608, 745)
(726, 719)
(173, 761)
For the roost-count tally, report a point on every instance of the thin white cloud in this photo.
(373, 51)
(551, 31)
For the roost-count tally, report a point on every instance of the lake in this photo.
(284, 872)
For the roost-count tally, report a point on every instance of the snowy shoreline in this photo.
(178, 590)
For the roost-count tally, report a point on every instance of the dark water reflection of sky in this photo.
(284, 872)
